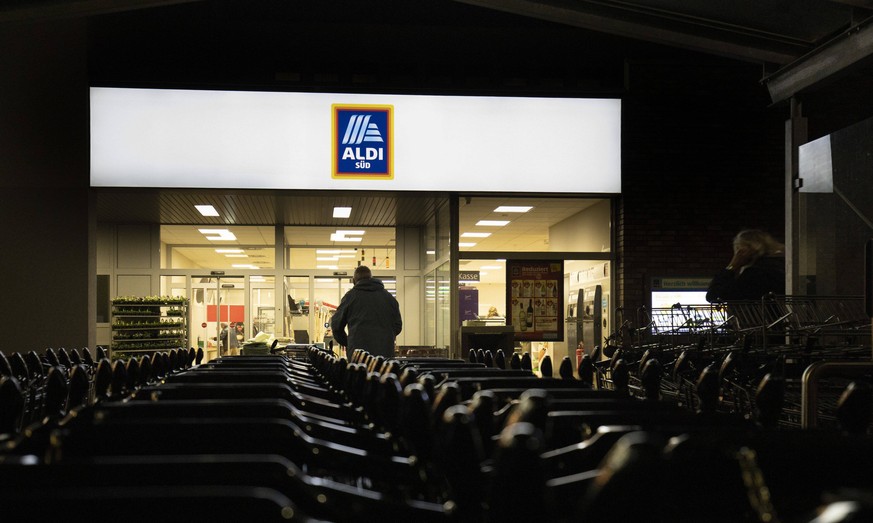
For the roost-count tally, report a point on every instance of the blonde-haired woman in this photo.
(756, 269)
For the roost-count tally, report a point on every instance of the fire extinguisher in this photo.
(580, 350)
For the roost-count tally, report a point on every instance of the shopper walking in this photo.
(756, 269)
(229, 343)
(371, 314)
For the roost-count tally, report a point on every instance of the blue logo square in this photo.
(363, 142)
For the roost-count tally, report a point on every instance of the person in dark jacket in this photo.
(756, 269)
(371, 314)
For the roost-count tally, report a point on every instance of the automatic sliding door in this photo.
(328, 293)
(217, 302)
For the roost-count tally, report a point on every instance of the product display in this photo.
(147, 324)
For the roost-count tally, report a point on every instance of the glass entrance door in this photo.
(218, 305)
(328, 293)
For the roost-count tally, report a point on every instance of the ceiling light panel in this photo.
(492, 223)
(336, 237)
(342, 212)
(475, 235)
(513, 208)
(206, 210)
(218, 234)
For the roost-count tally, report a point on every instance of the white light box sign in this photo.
(270, 140)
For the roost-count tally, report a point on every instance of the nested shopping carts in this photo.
(737, 345)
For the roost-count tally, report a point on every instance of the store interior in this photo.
(231, 271)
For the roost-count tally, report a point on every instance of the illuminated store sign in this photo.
(272, 140)
(363, 144)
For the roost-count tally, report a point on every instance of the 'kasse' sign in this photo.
(363, 142)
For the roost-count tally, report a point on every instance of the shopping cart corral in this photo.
(317, 437)
(738, 345)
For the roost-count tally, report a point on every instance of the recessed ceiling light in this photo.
(491, 223)
(346, 236)
(244, 266)
(328, 258)
(513, 208)
(475, 235)
(206, 210)
(335, 237)
(330, 267)
(228, 251)
(462, 244)
(236, 255)
(218, 234)
(342, 212)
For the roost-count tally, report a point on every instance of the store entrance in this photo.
(328, 293)
(218, 314)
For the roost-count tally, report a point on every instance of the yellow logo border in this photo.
(334, 142)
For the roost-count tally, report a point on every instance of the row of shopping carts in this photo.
(739, 345)
(314, 437)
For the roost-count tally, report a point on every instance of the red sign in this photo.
(229, 313)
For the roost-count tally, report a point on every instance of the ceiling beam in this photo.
(823, 63)
(666, 28)
(863, 4)
(28, 12)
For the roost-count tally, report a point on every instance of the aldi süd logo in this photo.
(363, 141)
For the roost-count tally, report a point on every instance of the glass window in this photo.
(296, 320)
(174, 286)
(216, 303)
(262, 313)
(488, 277)
(430, 309)
(443, 306)
(429, 241)
(328, 294)
(443, 230)
(534, 224)
(217, 247)
(340, 249)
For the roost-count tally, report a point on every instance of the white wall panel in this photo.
(134, 285)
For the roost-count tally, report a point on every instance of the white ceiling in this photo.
(524, 232)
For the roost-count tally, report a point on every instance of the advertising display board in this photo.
(535, 299)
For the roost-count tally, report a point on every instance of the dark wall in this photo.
(703, 159)
(44, 208)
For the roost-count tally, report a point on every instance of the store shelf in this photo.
(148, 324)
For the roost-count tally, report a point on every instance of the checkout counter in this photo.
(488, 334)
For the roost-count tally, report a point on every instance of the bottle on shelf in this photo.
(522, 317)
(530, 314)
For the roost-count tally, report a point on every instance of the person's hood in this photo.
(370, 284)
